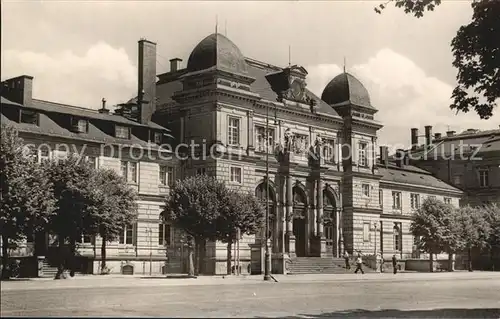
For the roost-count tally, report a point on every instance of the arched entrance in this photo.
(300, 221)
(260, 193)
(329, 214)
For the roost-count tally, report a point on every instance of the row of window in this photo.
(482, 174)
(129, 235)
(397, 235)
(414, 200)
(80, 125)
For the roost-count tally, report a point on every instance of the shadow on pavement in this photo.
(393, 313)
(171, 277)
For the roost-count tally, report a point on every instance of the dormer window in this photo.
(122, 132)
(157, 138)
(79, 125)
(29, 117)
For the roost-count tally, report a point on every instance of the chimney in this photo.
(414, 138)
(428, 134)
(400, 158)
(384, 156)
(146, 91)
(175, 64)
(19, 89)
(437, 136)
(103, 110)
(450, 133)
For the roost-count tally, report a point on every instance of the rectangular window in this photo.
(362, 160)
(157, 138)
(483, 178)
(170, 176)
(381, 197)
(200, 171)
(236, 174)
(92, 161)
(261, 139)
(127, 236)
(415, 201)
(164, 233)
(432, 197)
(329, 150)
(79, 125)
(457, 179)
(233, 133)
(29, 117)
(163, 175)
(366, 231)
(122, 132)
(366, 190)
(129, 171)
(396, 200)
(447, 200)
(397, 237)
(44, 155)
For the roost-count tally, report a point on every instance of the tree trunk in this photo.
(229, 256)
(190, 262)
(431, 262)
(469, 257)
(451, 262)
(61, 257)
(5, 257)
(72, 257)
(103, 256)
(196, 257)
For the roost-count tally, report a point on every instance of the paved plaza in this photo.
(451, 295)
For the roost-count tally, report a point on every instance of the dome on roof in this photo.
(217, 50)
(346, 88)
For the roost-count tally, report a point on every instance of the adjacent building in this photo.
(328, 190)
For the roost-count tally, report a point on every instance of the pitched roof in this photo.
(412, 175)
(261, 86)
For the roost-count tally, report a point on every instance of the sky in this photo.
(82, 51)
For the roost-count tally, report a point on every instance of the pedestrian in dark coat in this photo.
(394, 264)
(346, 258)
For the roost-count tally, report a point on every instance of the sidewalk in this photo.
(96, 281)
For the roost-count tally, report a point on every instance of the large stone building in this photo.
(469, 161)
(328, 190)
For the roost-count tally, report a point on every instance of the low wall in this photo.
(422, 265)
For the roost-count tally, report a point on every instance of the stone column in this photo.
(319, 220)
(314, 212)
(319, 208)
(337, 233)
(250, 133)
(290, 238)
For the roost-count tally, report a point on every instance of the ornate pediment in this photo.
(290, 84)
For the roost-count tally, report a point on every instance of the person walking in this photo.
(359, 264)
(394, 264)
(346, 258)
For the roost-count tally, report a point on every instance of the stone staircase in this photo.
(318, 265)
(48, 270)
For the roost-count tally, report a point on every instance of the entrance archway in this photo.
(300, 221)
(329, 214)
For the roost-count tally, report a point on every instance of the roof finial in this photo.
(344, 64)
(216, 22)
(289, 55)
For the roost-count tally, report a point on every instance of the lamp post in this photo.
(267, 257)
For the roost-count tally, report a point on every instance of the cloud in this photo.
(102, 71)
(404, 95)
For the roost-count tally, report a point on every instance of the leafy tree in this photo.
(244, 212)
(194, 205)
(474, 230)
(431, 225)
(476, 52)
(26, 200)
(492, 212)
(77, 204)
(116, 208)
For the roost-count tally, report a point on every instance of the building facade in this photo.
(242, 120)
(470, 161)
